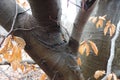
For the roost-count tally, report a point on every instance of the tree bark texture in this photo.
(92, 62)
(50, 46)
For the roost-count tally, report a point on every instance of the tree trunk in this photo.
(92, 62)
(47, 41)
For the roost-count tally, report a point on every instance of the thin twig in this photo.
(13, 23)
(74, 4)
(14, 19)
(112, 51)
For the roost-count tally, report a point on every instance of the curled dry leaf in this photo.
(112, 76)
(15, 65)
(22, 67)
(111, 28)
(100, 21)
(4, 46)
(78, 61)
(94, 47)
(82, 47)
(105, 30)
(21, 43)
(15, 56)
(99, 73)
(111, 33)
(87, 49)
(0, 60)
(93, 19)
(108, 24)
(43, 77)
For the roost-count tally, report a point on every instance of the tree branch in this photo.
(79, 23)
(44, 10)
(7, 12)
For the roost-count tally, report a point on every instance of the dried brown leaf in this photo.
(82, 47)
(111, 33)
(102, 17)
(22, 67)
(94, 47)
(79, 61)
(112, 29)
(15, 65)
(0, 60)
(43, 77)
(109, 77)
(99, 23)
(87, 49)
(83, 42)
(21, 43)
(90, 18)
(93, 19)
(105, 30)
(4, 46)
(99, 73)
(108, 24)
(112, 76)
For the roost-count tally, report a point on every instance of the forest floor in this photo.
(7, 73)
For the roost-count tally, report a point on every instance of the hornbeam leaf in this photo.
(43, 77)
(108, 24)
(0, 60)
(21, 43)
(93, 19)
(87, 48)
(99, 73)
(4, 46)
(78, 61)
(94, 47)
(82, 47)
(105, 30)
(111, 33)
(112, 76)
(99, 23)
(113, 27)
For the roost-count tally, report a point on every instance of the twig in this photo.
(112, 52)
(73, 4)
(14, 19)
(13, 23)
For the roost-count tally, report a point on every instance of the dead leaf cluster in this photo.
(98, 20)
(111, 27)
(99, 23)
(79, 61)
(85, 46)
(99, 73)
(112, 76)
(11, 50)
